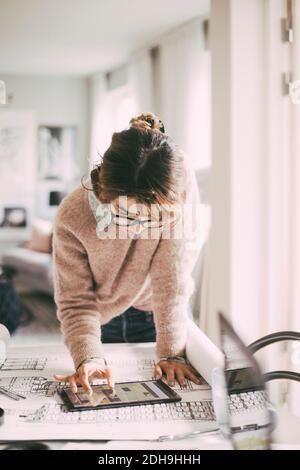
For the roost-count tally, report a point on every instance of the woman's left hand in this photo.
(176, 370)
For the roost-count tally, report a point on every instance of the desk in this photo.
(29, 371)
(45, 361)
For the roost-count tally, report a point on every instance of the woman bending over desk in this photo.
(122, 262)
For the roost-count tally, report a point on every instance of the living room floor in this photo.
(39, 324)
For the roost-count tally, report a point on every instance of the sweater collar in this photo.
(101, 212)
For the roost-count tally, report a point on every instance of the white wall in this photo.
(237, 182)
(250, 260)
(295, 301)
(220, 175)
(57, 101)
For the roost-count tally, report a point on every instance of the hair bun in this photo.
(147, 121)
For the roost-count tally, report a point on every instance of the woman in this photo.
(120, 272)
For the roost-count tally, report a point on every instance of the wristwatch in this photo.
(179, 359)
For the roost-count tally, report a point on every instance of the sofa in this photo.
(32, 260)
(33, 269)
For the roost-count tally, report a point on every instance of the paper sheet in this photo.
(41, 415)
(202, 353)
(4, 340)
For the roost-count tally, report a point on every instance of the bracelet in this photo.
(88, 359)
(179, 359)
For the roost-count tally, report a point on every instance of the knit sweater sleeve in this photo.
(74, 295)
(171, 276)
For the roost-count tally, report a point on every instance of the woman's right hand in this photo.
(92, 369)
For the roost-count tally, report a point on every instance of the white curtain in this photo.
(179, 92)
(184, 106)
(99, 117)
(184, 75)
(140, 81)
(112, 109)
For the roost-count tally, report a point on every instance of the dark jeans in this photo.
(132, 326)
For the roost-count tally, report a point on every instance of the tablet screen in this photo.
(123, 393)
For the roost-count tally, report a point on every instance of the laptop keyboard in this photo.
(186, 411)
(162, 411)
(240, 402)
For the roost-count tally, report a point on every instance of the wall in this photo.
(56, 101)
(237, 184)
(250, 262)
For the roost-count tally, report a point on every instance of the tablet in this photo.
(144, 392)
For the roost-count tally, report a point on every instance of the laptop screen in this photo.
(241, 380)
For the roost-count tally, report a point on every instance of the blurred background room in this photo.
(223, 75)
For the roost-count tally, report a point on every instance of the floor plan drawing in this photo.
(41, 414)
(32, 386)
(23, 364)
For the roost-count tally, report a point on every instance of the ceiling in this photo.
(81, 37)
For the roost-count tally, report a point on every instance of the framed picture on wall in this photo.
(56, 153)
(17, 152)
(50, 193)
(18, 170)
(13, 217)
(16, 219)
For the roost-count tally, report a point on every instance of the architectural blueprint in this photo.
(41, 414)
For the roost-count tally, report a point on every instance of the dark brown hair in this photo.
(142, 162)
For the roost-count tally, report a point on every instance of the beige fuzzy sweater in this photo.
(97, 278)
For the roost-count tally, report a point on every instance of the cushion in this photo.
(41, 238)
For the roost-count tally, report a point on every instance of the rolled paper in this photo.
(4, 340)
(202, 353)
(2, 93)
(1, 416)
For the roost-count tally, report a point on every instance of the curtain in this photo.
(179, 91)
(183, 103)
(99, 118)
(114, 102)
(140, 81)
(184, 88)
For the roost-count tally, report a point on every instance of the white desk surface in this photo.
(287, 435)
